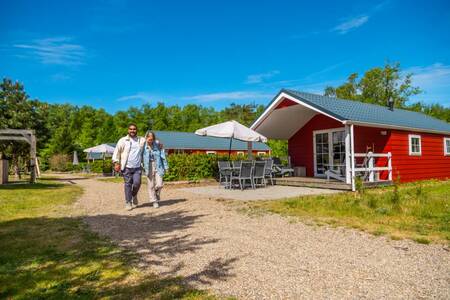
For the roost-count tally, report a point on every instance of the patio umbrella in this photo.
(103, 148)
(232, 130)
(75, 158)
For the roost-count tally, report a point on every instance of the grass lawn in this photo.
(44, 254)
(418, 211)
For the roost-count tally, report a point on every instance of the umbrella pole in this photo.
(229, 150)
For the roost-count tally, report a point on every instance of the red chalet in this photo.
(342, 139)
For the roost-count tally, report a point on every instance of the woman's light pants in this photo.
(154, 185)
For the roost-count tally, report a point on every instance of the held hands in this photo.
(116, 167)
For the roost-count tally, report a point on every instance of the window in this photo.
(240, 153)
(415, 147)
(446, 146)
(261, 153)
(211, 152)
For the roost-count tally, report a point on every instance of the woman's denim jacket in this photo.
(159, 158)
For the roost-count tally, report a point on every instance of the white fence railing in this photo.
(368, 166)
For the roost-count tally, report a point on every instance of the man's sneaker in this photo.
(155, 204)
(128, 206)
(134, 201)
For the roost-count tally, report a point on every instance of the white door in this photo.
(329, 151)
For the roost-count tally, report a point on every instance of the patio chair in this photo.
(245, 173)
(280, 169)
(259, 173)
(224, 172)
(268, 171)
(236, 164)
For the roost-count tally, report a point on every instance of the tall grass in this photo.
(419, 211)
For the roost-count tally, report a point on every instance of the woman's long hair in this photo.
(152, 133)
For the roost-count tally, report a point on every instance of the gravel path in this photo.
(266, 257)
(268, 193)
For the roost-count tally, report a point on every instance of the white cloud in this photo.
(238, 95)
(138, 96)
(434, 80)
(258, 78)
(434, 75)
(60, 77)
(55, 51)
(351, 24)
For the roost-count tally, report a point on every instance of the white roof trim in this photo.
(380, 125)
(289, 97)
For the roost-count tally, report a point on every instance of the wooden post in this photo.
(348, 175)
(352, 155)
(390, 166)
(250, 150)
(3, 171)
(371, 165)
(32, 158)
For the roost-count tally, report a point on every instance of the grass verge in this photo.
(419, 211)
(46, 255)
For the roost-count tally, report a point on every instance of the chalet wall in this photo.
(300, 145)
(431, 164)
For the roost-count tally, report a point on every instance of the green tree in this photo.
(377, 86)
(17, 111)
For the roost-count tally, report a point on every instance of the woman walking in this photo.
(155, 166)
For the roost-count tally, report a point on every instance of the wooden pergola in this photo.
(23, 135)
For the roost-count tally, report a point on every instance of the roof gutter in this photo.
(357, 123)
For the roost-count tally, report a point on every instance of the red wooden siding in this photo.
(431, 164)
(300, 145)
(370, 139)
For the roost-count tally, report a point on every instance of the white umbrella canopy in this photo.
(234, 130)
(103, 148)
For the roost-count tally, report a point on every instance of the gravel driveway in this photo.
(267, 257)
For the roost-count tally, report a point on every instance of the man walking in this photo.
(127, 158)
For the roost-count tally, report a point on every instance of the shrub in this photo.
(195, 166)
(396, 197)
(372, 201)
(191, 166)
(359, 185)
(59, 162)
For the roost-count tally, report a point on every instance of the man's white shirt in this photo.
(134, 157)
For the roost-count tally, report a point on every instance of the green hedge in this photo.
(98, 166)
(181, 166)
(195, 166)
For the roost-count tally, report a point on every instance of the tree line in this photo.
(64, 128)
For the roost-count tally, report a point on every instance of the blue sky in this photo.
(114, 54)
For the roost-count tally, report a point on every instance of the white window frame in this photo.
(330, 142)
(446, 153)
(211, 152)
(240, 153)
(410, 137)
(260, 153)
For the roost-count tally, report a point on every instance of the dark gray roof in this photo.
(370, 113)
(189, 140)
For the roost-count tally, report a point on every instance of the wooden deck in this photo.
(323, 183)
(313, 182)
